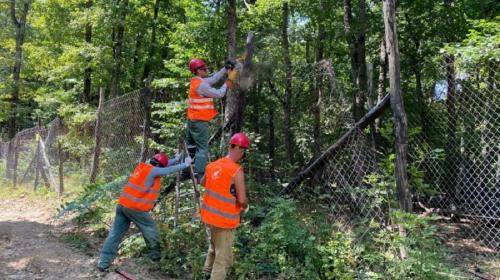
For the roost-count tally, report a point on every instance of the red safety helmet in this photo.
(196, 64)
(240, 139)
(161, 158)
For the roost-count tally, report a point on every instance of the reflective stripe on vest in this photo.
(135, 194)
(220, 207)
(200, 100)
(200, 108)
(140, 189)
(220, 213)
(220, 197)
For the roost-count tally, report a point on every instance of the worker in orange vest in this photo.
(138, 197)
(224, 200)
(201, 108)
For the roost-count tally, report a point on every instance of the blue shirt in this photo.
(163, 171)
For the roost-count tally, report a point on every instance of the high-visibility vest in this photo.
(220, 208)
(200, 108)
(135, 194)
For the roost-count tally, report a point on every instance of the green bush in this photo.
(183, 249)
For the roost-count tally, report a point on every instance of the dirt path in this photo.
(30, 247)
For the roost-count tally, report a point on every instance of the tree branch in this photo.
(13, 12)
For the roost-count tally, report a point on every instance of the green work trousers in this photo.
(197, 135)
(220, 253)
(145, 223)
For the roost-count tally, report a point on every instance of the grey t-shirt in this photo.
(163, 171)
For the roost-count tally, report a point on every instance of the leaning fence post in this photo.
(16, 159)
(37, 162)
(61, 168)
(146, 102)
(97, 136)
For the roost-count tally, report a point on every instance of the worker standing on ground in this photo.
(224, 200)
(201, 108)
(138, 197)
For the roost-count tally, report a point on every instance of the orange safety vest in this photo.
(135, 195)
(200, 108)
(220, 208)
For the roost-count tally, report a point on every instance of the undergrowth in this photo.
(289, 243)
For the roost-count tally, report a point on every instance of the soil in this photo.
(33, 245)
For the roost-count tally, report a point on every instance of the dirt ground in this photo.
(32, 246)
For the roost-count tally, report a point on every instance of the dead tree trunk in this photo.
(97, 137)
(117, 48)
(87, 74)
(399, 114)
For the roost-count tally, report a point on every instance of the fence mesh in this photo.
(59, 154)
(453, 164)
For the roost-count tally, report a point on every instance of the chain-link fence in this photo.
(453, 166)
(55, 155)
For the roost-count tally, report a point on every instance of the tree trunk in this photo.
(316, 106)
(397, 105)
(97, 135)
(146, 133)
(452, 144)
(357, 49)
(20, 26)
(87, 75)
(381, 85)
(135, 60)
(257, 108)
(231, 29)
(287, 104)
(361, 81)
(245, 82)
(153, 46)
(272, 141)
(117, 48)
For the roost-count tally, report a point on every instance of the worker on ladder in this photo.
(201, 109)
(223, 202)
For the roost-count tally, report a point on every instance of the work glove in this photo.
(177, 157)
(230, 64)
(232, 75)
(229, 84)
(188, 160)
